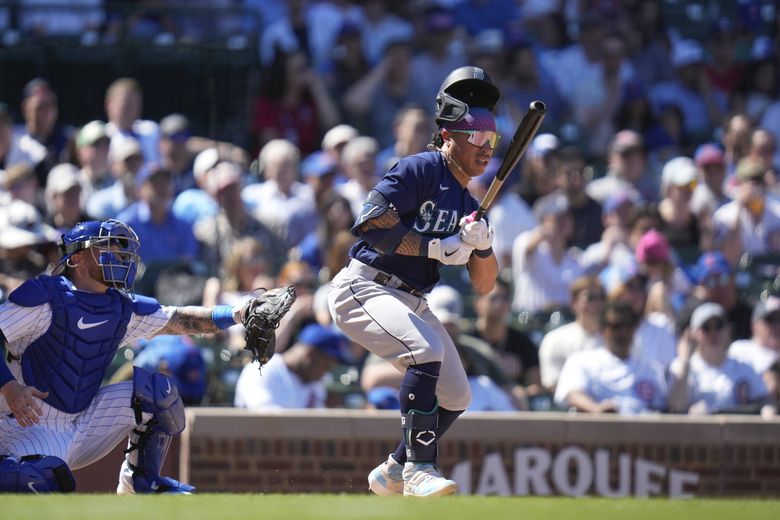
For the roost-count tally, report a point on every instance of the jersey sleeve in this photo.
(147, 326)
(405, 184)
(23, 325)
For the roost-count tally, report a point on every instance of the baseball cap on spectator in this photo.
(446, 304)
(614, 276)
(383, 398)
(679, 171)
(317, 164)
(204, 161)
(21, 226)
(542, 145)
(551, 204)
(91, 133)
(707, 154)
(175, 126)
(34, 86)
(748, 169)
(149, 172)
(180, 358)
(711, 263)
(653, 247)
(124, 148)
(705, 312)
(765, 307)
(617, 200)
(686, 52)
(337, 136)
(221, 176)
(626, 141)
(62, 178)
(328, 340)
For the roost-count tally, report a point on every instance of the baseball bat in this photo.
(517, 147)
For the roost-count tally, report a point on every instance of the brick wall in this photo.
(522, 453)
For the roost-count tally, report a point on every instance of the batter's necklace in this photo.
(451, 160)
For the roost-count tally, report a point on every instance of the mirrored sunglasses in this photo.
(480, 137)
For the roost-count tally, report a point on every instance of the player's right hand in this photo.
(23, 402)
(450, 251)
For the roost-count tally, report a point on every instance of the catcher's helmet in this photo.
(115, 247)
(462, 88)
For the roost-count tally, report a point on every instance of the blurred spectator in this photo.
(282, 203)
(303, 277)
(63, 198)
(654, 337)
(613, 379)
(92, 156)
(537, 178)
(319, 171)
(763, 147)
(381, 28)
(704, 378)
(749, 223)
(195, 203)
(666, 284)
(509, 215)
(763, 348)
(677, 221)
(691, 90)
(771, 122)
(26, 244)
(220, 233)
(648, 43)
(587, 302)
(21, 183)
(294, 378)
(515, 351)
(174, 155)
(736, 140)
(709, 193)
(714, 282)
(724, 68)
(294, 104)
(60, 17)
(586, 212)
(542, 268)
(180, 359)
(164, 238)
(626, 170)
(435, 60)
(359, 163)
(41, 112)
(126, 160)
(759, 86)
(412, 129)
(334, 141)
(347, 62)
(615, 245)
(124, 107)
(372, 102)
(335, 216)
(16, 149)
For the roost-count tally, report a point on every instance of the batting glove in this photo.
(450, 251)
(477, 234)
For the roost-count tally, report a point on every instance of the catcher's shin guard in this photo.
(35, 474)
(419, 429)
(155, 394)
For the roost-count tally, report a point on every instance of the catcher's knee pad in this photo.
(420, 438)
(157, 394)
(35, 474)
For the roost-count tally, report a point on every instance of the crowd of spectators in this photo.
(639, 240)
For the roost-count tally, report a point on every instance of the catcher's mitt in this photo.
(260, 317)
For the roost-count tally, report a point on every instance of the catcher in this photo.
(60, 333)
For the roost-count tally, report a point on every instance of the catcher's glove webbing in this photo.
(261, 316)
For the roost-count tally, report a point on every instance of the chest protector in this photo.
(70, 359)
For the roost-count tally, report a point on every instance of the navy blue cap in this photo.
(384, 398)
(328, 340)
(711, 263)
(317, 165)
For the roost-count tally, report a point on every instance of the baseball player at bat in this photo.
(415, 220)
(60, 333)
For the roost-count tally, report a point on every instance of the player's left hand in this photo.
(23, 402)
(478, 234)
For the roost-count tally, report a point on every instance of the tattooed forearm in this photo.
(191, 320)
(411, 243)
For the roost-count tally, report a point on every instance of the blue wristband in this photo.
(222, 316)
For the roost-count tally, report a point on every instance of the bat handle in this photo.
(477, 215)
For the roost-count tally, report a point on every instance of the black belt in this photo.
(386, 280)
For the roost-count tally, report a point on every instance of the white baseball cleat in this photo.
(387, 479)
(422, 479)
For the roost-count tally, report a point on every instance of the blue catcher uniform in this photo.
(61, 340)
